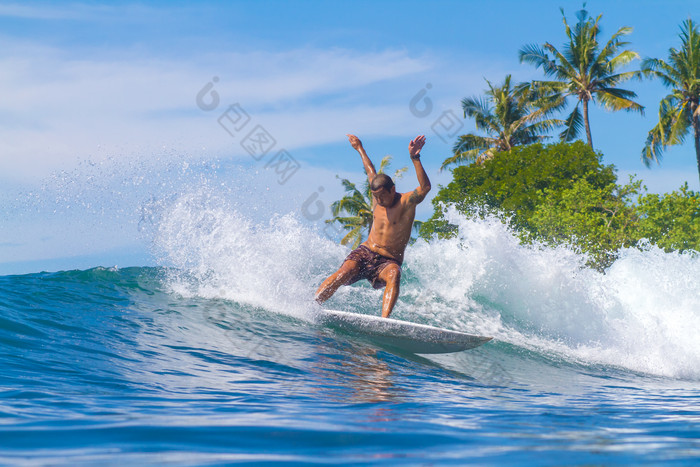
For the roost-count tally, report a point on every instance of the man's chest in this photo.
(391, 217)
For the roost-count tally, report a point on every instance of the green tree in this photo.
(671, 221)
(516, 181)
(584, 71)
(510, 116)
(358, 208)
(357, 204)
(596, 220)
(600, 221)
(679, 111)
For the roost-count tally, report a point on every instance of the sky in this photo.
(107, 105)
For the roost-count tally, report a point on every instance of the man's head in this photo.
(383, 190)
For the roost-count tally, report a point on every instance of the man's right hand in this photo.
(355, 142)
(369, 167)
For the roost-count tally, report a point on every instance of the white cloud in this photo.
(63, 108)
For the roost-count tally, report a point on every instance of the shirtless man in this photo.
(379, 258)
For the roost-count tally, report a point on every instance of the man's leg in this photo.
(391, 274)
(346, 272)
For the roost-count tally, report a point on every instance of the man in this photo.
(379, 258)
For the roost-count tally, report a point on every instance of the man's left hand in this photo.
(415, 146)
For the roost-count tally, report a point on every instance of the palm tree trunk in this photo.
(585, 122)
(696, 130)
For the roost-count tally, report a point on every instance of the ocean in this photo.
(216, 356)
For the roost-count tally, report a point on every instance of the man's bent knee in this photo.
(391, 273)
(343, 275)
(348, 269)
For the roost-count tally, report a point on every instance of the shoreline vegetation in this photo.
(561, 192)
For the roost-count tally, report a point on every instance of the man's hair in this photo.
(381, 181)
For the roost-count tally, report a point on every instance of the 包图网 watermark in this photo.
(446, 126)
(261, 145)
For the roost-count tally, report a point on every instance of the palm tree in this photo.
(585, 72)
(510, 116)
(680, 110)
(359, 210)
(358, 205)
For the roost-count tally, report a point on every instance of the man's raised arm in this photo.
(369, 167)
(414, 148)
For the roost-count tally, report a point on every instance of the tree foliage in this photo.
(671, 221)
(584, 71)
(596, 220)
(358, 207)
(509, 115)
(515, 182)
(563, 194)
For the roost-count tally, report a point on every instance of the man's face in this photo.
(384, 197)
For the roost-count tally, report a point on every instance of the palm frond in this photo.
(671, 129)
(680, 124)
(350, 187)
(545, 126)
(355, 235)
(386, 161)
(350, 204)
(620, 60)
(471, 141)
(681, 73)
(657, 68)
(572, 126)
(564, 69)
(614, 43)
(462, 157)
(537, 56)
(478, 109)
(653, 149)
(618, 99)
(613, 80)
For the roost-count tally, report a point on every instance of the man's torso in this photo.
(391, 228)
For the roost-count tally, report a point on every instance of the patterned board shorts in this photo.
(371, 265)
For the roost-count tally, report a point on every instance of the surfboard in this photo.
(403, 335)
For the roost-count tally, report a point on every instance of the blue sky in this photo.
(99, 110)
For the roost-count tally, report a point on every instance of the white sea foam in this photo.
(219, 253)
(641, 314)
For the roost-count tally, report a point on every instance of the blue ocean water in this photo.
(216, 357)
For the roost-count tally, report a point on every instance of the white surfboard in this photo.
(411, 337)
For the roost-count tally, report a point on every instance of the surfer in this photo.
(379, 257)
